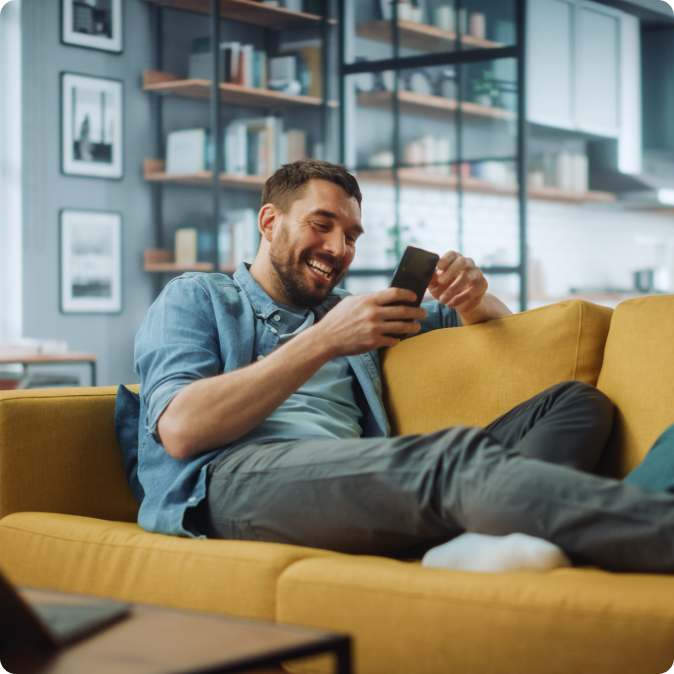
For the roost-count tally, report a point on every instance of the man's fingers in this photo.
(394, 295)
(447, 259)
(401, 313)
(400, 327)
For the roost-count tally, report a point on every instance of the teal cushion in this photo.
(657, 470)
(127, 416)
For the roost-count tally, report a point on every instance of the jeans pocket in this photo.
(232, 529)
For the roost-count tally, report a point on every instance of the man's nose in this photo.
(335, 243)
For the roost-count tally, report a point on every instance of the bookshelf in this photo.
(428, 102)
(268, 126)
(172, 85)
(420, 36)
(163, 260)
(154, 171)
(248, 11)
(413, 177)
(412, 103)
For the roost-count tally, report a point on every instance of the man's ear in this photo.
(267, 221)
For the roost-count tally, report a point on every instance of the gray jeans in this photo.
(522, 473)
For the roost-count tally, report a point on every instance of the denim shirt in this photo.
(204, 325)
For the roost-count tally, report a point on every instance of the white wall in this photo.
(10, 172)
(46, 191)
(570, 246)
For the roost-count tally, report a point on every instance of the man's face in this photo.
(314, 243)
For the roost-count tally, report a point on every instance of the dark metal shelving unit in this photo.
(457, 57)
(271, 20)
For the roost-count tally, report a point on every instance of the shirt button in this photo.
(274, 330)
(260, 357)
(277, 317)
(191, 499)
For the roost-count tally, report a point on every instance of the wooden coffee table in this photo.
(163, 641)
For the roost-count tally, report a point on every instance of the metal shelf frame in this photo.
(460, 56)
(216, 12)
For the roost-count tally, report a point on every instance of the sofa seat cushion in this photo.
(473, 375)
(638, 376)
(412, 619)
(121, 561)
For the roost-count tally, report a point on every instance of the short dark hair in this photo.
(288, 183)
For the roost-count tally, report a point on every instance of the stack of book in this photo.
(239, 63)
(256, 146)
(237, 237)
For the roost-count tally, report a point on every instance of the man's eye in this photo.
(351, 239)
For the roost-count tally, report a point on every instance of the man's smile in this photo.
(321, 269)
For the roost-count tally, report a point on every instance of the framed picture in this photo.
(91, 262)
(91, 126)
(96, 24)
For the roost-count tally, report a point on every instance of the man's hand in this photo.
(459, 284)
(361, 323)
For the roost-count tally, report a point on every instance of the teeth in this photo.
(320, 267)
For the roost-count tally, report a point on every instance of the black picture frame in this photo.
(90, 261)
(93, 106)
(97, 26)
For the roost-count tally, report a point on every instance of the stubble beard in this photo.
(289, 278)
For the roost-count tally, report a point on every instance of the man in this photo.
(262, 416)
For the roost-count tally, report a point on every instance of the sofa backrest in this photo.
(473, 375)
(59, 453)
(638, 376)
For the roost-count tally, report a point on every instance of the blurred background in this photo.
(535, 136)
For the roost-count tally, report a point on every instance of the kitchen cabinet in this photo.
(576, 66)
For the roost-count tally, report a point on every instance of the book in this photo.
(232, 70)
(264, 133)
(237, 236)
(297, 145)
(186, 151)
(186, 247)
(311, 68)
(284, 73)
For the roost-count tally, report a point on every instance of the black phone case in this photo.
(414, 272)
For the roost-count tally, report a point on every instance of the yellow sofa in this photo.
(68, 517)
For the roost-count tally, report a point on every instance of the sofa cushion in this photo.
(638, 376)
(657, 470)
(121, 561)
(58, 453)
(412, 619)
(474, 374)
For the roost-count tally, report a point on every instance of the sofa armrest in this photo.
(58, 453)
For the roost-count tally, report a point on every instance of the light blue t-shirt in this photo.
(325, 406)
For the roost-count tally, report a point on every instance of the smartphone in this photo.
(414, 272)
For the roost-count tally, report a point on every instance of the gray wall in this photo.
(46, 190)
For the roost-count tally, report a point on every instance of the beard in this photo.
(290, 278)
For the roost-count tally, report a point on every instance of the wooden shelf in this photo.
(154, 170)
(413, 177)
(159, 259)
(172, 85)
(431, 106)
(419, 36)
(248, 11)
(162, 260)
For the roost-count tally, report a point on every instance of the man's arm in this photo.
(215, 411)
(459, 284)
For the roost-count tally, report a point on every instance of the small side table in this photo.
(155, 640)
(44, 359)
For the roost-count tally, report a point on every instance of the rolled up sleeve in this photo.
(176, 345)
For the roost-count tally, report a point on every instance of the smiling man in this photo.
(262, 416)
